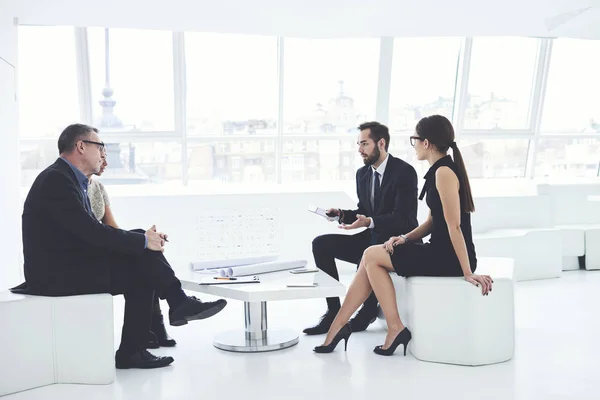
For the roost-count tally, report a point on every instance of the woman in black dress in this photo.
(449, 252)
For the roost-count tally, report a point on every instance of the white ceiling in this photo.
(326, 18)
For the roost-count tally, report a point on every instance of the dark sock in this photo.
(333, 304)
(175, 296)
(126, 350)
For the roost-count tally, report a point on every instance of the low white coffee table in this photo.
(257, 336)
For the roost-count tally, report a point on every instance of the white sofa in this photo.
(519, 227)
(49, 340)
(537, 253)
(577, 218)
(451, 322)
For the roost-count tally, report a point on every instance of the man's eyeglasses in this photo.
(413, 140)
(99, 144)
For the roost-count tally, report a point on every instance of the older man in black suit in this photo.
(387, 206)
(68, 252)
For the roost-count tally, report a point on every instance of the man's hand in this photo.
(361, 221)
(156, 240)
(332, 213)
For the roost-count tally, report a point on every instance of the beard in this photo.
(373, 157)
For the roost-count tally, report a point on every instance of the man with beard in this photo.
(387, 206)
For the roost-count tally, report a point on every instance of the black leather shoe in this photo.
(152, 342)
(141, 359)
(157, 328)
(323, 325)
(363, 319)
(193, 308)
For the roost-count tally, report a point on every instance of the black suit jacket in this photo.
(396, 212)
(66, 250)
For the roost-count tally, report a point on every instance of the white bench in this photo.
(451, 322)
(50, 340)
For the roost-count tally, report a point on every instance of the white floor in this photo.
(557, 357)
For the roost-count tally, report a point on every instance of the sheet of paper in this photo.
(241, 280)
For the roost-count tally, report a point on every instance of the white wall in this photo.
(331, 18)
(10, 228)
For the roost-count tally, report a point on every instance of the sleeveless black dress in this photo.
(437, 257)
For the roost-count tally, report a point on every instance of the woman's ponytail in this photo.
(463, 178)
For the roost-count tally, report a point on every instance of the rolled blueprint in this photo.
(231, 262)
(262, 268)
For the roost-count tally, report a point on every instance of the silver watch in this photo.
(405, 238)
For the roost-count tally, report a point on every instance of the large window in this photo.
(232, 161)
(142, 162)
(500, 83)
(568, 157)
(131, 79)
(320, 160)
(48, 95)
(231, 84)
(400, 147)
(495, 158)
(423, 80)
(330, 84)
(572, 102)
(209, 109)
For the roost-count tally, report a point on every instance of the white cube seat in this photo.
(53, 340)
(451, 322)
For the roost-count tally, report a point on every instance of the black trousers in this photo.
(140, 279)
(349, 248)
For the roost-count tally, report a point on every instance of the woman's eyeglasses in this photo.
(413, 140)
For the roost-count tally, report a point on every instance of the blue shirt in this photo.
(83, 185)
(82, 179)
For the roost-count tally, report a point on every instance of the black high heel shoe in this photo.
(343, 333)
(402, 338)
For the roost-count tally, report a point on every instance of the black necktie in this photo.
(376, 190)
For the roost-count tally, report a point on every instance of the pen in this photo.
(225, 278)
